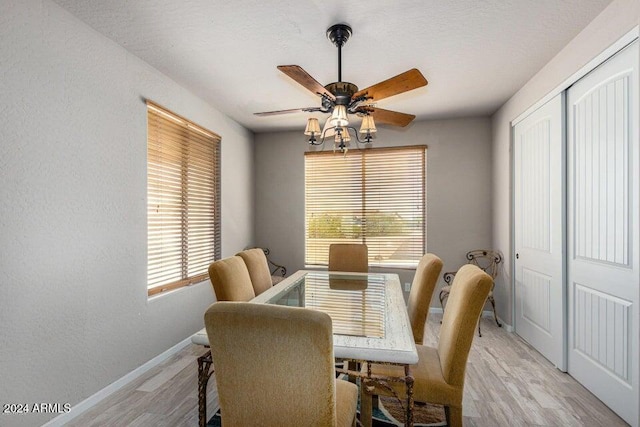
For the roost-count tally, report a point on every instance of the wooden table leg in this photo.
(204, 364)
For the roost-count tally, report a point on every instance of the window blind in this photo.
(373, 196)
(183, 191)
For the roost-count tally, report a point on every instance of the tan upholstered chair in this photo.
(352, 257)
(489, 262)
(231, 282)
(256, 262)
(293, 383)
(424, 282)
(230, 279)
(439, 374)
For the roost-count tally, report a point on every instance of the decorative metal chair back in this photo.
(488, 261)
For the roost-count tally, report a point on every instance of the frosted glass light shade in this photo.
(313, 127)
(339, 116)
(368, 125)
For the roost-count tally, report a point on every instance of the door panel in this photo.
(539, 230)
(603, 226)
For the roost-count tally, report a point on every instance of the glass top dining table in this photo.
(368, 312)
(369, 318)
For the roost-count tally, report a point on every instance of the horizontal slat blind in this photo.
(183, 190)
(373, 196)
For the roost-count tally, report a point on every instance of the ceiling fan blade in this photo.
(301, 76)
(387, 116)
(404, 82)
(292, 110)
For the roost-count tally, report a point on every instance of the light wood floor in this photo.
(508, 384)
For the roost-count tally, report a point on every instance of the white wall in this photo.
(74, 313)
(458, 188)
(616, 20)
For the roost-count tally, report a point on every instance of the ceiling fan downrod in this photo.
(339, 34)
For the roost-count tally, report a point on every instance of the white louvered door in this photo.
(603, 232)
(539, 233)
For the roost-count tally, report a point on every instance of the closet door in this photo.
(539, 230)
(603, 239)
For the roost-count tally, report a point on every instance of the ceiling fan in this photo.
(342, 98)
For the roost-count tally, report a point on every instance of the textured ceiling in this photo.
(474, 53)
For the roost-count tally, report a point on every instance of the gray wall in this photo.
(458, 188)
(74, 312)
(612, 23)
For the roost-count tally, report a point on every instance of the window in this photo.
(183, 191)
(373, 196)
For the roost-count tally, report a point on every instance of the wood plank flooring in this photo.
(508, 384)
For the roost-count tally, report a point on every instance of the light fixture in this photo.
(341, 134)
(368, 125)
(339, 116)
(313, 129)
(341, 140)
(344, 134)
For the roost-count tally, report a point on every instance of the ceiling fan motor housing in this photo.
(343, 91)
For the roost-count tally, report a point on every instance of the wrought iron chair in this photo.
(489, 261)
(277, 271)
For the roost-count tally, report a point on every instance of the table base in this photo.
(369, 383)
(204, 373)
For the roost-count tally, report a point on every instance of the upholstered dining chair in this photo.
(351, 257)
(231, 280)
(291, 384)
(256, 262)
(440, 372)
(424, 282)
(487, 260)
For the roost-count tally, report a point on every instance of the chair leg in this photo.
(442, 296)
(453, 415)
(495, 316)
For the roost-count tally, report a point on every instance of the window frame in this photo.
(186, 149)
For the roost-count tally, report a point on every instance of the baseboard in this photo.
(486, 313)
(94, 399)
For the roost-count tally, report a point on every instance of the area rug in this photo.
(389, 413)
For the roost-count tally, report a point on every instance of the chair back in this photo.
(230, 279)
(256, 262)
(469, 292)
(487, 260)
(351, 257)
(424, 282)
(273, 364)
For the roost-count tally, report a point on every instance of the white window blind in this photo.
(373, 196)
(183, 191)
